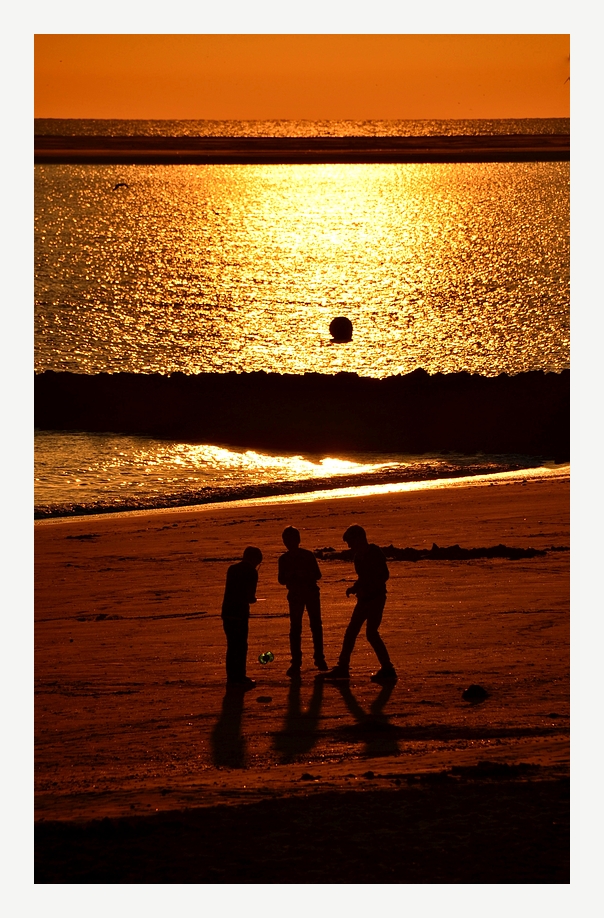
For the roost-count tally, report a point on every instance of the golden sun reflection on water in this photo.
(241, 268)
(80, 468)
(77, 469)
(203, 461)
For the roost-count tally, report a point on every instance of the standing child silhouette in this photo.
(239, 594)
(299, 572)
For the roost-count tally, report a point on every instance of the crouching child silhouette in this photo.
(239, 594)
(370, 591)
(299, 572)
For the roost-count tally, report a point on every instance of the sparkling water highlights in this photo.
(81, 468)
(159, 269)
(237, 268)
(73, 127)
(85, 472)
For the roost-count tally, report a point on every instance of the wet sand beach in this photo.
(148, 770)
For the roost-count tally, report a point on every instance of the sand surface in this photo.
(132, 716)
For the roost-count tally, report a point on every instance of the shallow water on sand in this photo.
(78, 472)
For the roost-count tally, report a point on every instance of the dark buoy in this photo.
(340, 329)
(475, 694)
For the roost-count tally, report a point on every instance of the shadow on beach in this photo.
(227, 740)
(300, 728)
(372, 727)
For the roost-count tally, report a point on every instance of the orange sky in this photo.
(311, 77)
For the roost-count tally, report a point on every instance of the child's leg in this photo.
(313, 605)
(375, 611)
(296, 610)
(236, 631)
(356, 623)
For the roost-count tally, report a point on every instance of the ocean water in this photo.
(74, 127)
(80, 472)
(238, 268)
(158, 269)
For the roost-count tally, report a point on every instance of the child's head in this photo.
(291, 537)
(252, 555)
(355, 536)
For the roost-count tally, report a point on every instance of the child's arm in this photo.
(281, 575)
(253, 583)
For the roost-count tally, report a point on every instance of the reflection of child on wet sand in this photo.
(370, 591)
(239, 594)
(299, 572)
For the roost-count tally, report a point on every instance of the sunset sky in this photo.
(314, 77)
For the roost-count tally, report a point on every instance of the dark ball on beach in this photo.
(475, 694)
(340, 329)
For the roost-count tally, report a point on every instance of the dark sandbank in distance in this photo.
(142, 150)
(528, 413)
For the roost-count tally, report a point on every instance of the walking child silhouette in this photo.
(370, 591)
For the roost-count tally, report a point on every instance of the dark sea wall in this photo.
(416, 413)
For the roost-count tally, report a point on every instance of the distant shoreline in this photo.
(144, 150)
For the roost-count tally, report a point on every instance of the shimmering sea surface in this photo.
(78, 472)
(237, 268)
(157, 269)
(74, 127)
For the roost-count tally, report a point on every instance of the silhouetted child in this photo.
(299, 572)
(239, 594)
(370, 590)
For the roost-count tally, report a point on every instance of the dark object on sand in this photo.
(340, 329)
(438, 553)
(266, 657)
(121, 185)
(475, 694)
